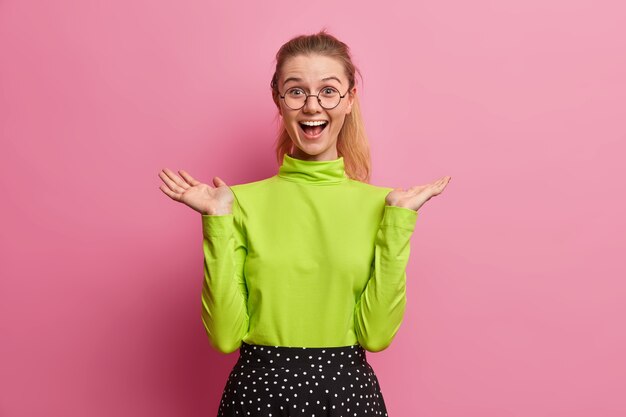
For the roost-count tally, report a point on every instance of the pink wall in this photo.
(516, 279)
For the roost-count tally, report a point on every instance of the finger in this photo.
(168, 192)
(439, 185)
(176, 179)
(442, 184)
(439, 182)
(190, 180)
(171, 184)
(218, 182)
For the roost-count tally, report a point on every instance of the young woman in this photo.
(305, 271)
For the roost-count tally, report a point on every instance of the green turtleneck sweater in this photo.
(308, 258)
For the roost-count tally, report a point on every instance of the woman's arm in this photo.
(380, 309)
(224, 291)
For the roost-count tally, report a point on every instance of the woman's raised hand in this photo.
(201, 197)
(416, 196)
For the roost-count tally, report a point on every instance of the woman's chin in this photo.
(318, 145)
(317, 148)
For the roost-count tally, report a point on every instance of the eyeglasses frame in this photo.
(314, 95)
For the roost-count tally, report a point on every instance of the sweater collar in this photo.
(312, 172)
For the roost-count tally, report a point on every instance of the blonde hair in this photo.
(352, 141)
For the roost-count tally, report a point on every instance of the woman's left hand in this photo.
(416, 196)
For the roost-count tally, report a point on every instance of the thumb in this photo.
(218, 182)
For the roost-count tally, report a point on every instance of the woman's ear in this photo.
(280, 109)
(351, 99)
(277, 102)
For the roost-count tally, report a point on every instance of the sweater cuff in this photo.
(402, 217)
(217, 225)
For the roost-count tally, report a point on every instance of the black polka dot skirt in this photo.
(281, 381)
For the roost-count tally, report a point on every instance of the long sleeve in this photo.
(380, 309)
(224, 292)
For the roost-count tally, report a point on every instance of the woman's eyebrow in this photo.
(300, 79)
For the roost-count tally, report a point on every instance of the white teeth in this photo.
(318, 123)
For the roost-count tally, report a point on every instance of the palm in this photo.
(199, 196)
(415, 197)
(202, 195)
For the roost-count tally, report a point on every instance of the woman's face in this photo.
(312, 74)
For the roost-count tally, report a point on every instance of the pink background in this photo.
(516, 280)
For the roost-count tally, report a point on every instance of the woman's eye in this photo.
(295, 92)
(329, 90)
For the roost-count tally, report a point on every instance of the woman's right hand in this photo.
(201, 197)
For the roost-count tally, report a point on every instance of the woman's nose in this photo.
(311, 106)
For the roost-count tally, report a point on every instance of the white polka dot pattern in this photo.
(281, 381)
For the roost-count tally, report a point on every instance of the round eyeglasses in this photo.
(328, 97)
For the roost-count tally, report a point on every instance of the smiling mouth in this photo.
(313, 131)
